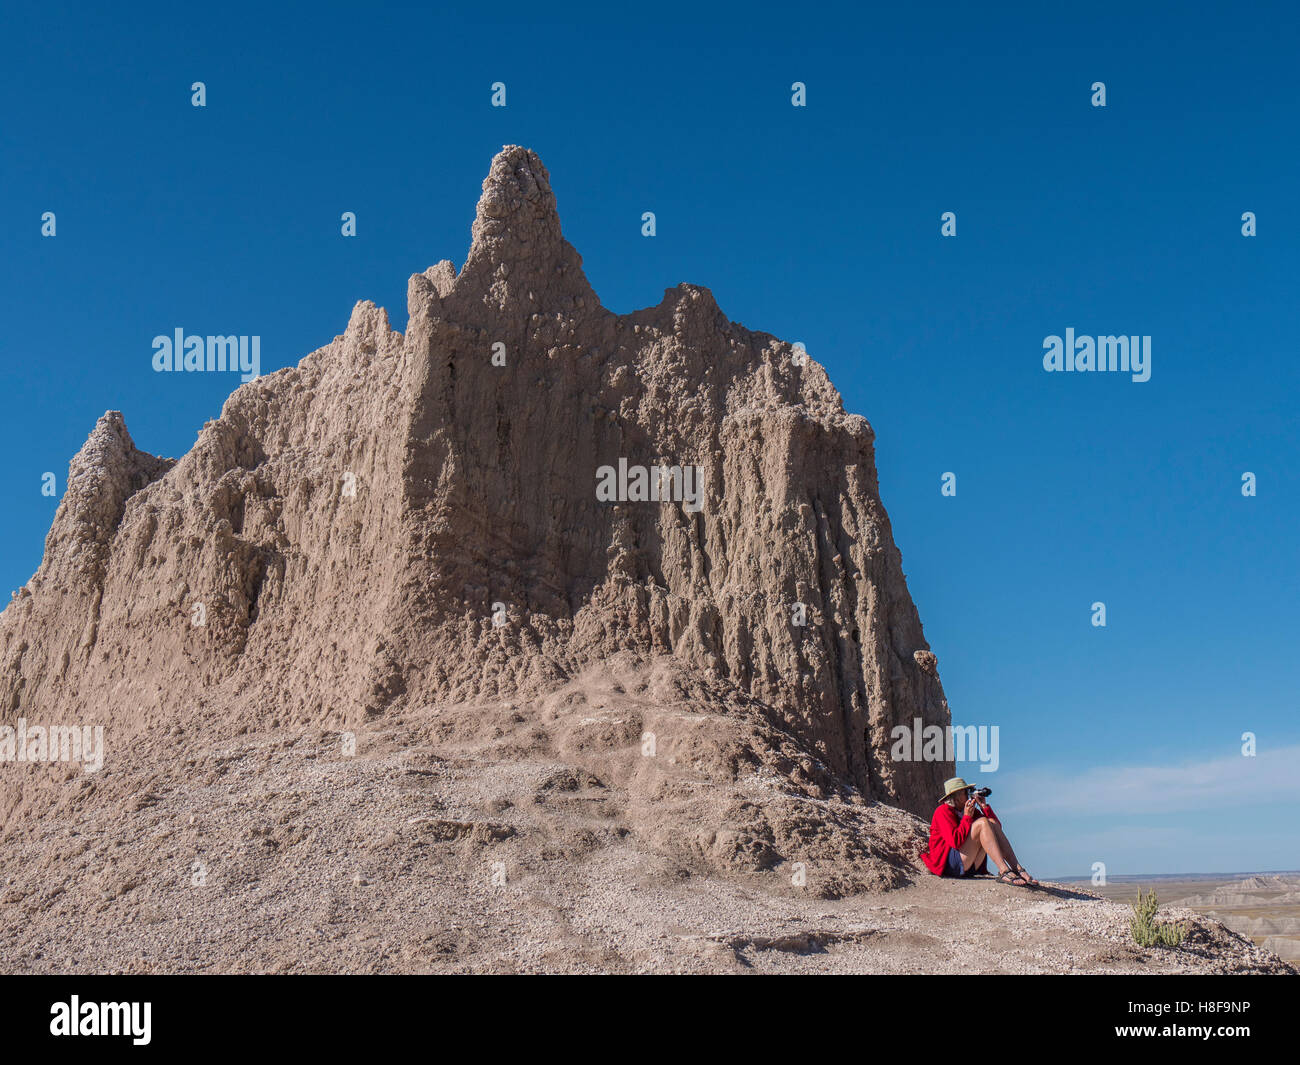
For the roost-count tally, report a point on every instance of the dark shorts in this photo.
(954, 866)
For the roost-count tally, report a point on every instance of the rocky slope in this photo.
(423, 852)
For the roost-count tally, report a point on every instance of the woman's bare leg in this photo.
(982, 841)
(972, 851)
(985, 840)
(1005, 845)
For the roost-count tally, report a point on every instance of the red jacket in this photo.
(947, 833)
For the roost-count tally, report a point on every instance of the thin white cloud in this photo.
(1269, 777)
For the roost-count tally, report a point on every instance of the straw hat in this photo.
(955, 784)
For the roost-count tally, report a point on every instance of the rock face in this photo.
(400, 525)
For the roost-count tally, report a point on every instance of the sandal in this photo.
(1016, 880)
(1024, 873)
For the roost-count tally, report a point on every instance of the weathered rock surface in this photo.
(334, 546)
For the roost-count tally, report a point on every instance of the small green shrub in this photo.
(1147, 931)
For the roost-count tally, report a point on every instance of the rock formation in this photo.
(402, 526)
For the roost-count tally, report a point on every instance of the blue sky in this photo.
(821, 224)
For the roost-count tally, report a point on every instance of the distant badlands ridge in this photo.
(475, 495)
(1266, 908)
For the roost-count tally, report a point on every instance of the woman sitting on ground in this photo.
(964, 833)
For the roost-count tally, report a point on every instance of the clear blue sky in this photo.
(819, 224)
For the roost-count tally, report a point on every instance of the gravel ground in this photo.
(271, 853)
